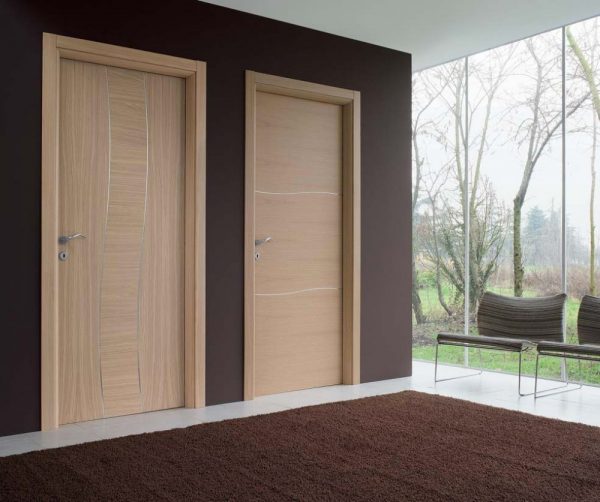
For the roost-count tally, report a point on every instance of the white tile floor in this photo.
(493, 389)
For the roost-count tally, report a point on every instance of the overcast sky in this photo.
(503, 161)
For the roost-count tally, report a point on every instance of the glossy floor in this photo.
(493, 389)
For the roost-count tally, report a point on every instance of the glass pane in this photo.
(438, 221)
(583, 158)
(515, 177)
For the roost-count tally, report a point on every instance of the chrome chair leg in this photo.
(520, 365)
(545, 392)
(537, 364)
(435, 371)
(523, 394)
(565, 387)
(437, 345)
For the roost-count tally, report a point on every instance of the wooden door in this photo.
(299, 149)
(121, 282)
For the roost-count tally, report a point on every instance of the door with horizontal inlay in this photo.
(298, 232)
(121, 193)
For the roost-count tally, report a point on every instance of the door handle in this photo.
(64, 239)
(260, 242)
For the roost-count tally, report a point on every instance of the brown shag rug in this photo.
(405, 446)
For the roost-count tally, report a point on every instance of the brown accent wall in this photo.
(230, 42)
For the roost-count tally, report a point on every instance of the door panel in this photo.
(299, 344)
(122, 140)
(306, 250)
(119, 302)
(298, 276)
(83, 193)
(162, 287)
(300, 143)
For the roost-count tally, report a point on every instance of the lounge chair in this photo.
(588, 336)
(510, 324)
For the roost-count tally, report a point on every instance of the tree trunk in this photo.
(438, 275)
(519, 271)
(587, 70)
(416, 299)
(532, 157)
(440, 292)
(588, 74)
(592, 221)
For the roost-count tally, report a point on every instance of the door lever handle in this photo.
(260, 242)
(64, 239)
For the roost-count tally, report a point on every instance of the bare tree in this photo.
(417, 177)
(446, 85)
(489, 225)
(586, 67)
(419, 128)
(592, 201)
(588, 75)
(486, 214)
(443, 232)
(542, 123)
(432, 246)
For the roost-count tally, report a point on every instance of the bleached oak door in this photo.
(301, 212)
(121, 186)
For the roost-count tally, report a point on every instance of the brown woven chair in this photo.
(510, 324)
(588, 336)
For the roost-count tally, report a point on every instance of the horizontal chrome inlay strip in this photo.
(298, 193)
(297, 292)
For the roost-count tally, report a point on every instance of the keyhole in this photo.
(63, 255)
(257, 256)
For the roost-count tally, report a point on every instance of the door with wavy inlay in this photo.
(121, 226)
(298, 231)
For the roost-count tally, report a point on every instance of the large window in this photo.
(488, 167)
(438, 197)
(582, 78)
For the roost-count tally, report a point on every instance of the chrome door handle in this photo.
(64, 239)
(260, 242)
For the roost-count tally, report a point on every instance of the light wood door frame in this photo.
(350, 102)
(56, 47)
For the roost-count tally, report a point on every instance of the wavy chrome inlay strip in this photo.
(101, 282)
(298, 193)
(287, 293)
(143, 236)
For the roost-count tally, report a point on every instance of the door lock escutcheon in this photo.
(260, 242)
(64, 240)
